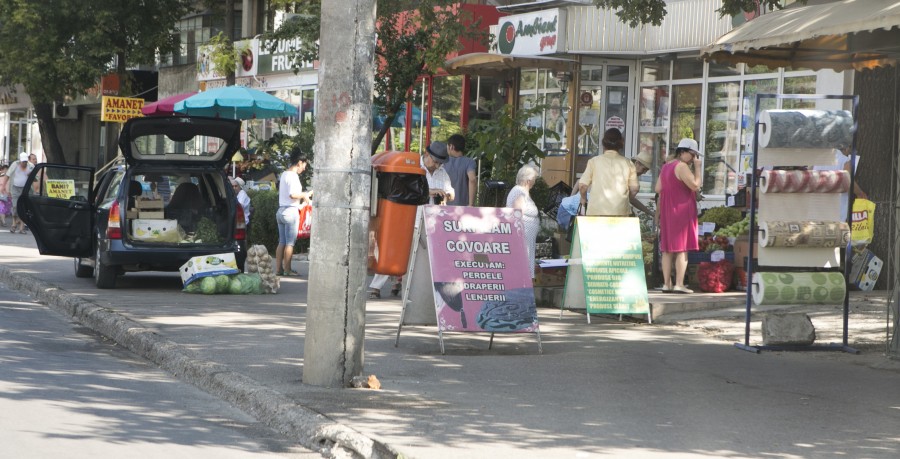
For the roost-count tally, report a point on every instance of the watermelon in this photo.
(208, 285)
(193, 287)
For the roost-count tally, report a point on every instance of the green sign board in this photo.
(606, 268)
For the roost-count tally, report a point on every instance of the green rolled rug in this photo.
(798, 288)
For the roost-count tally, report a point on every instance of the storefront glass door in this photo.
(603, 102)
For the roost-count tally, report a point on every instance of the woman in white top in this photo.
(290, 198)
(18, 175)
(519, 197)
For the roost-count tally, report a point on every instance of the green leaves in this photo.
(506, 141)
(638, 12)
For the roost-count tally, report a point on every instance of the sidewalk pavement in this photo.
(600, 389)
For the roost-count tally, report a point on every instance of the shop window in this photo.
(653, 119)
(686, 113)
(619, 73)
(748, 118)
(485, 98)
(723, 130)
(528, 81)
(687, 68)
(799, 85)
(591, 73)
(307, 105)
(758, 69)
(654, 71)
(446, 107)
(720, 70)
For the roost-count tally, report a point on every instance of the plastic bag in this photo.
(305, 222)
(715, 277)
(862, 221)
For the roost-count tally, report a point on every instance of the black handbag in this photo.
(571, 229)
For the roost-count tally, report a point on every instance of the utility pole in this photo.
(336, 315)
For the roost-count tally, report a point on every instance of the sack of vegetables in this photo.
(235, 284)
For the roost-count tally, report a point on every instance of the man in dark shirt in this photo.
(461, 170)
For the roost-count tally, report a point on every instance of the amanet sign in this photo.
(532, 33)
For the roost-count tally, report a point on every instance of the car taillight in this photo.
(113, 225)
(240, 227)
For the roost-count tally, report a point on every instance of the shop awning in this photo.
(839, 35)
(489, 64)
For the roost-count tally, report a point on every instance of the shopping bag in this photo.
(571, 229)
(305, 222)
(862, 221)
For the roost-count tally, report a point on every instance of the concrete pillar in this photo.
(335, 330)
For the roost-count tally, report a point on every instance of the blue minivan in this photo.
(165, 200)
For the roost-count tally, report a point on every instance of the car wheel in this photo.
(104, 276)
(82, 270)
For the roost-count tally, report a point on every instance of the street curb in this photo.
(312, 430)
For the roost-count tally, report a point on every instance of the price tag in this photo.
(707, 227)
(717, 255)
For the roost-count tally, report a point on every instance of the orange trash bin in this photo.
(401, 188)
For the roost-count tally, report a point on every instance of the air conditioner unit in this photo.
(64, 112)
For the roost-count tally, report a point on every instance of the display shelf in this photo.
(796, 207)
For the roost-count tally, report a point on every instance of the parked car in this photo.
(166, 200)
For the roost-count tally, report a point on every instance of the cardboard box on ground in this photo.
(208, 265)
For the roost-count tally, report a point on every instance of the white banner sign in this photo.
(541, 32)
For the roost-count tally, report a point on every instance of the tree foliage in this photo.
(414, 39)
(639, 12)
(59, 48)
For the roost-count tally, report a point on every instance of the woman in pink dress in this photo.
(679, 181)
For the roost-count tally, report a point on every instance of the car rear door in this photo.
(56, 206)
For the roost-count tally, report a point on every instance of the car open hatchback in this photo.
(166, 200)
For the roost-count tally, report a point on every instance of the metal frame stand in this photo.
(406, 301)
(754, 184)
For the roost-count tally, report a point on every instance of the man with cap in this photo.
(18, 175)
(440, 188)
(440, 192)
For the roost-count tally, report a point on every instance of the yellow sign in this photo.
(121, 109)
(60, 189)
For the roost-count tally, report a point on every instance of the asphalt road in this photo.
(606, 389)
(67, 392)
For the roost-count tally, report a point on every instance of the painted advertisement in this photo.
(541, 32)
(120, 109)
(479, 269)
(606, 273)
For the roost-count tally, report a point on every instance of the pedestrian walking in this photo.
(18, 175)
(461, 170)
(519, 197)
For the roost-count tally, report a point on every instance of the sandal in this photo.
(289, 273)
(679, 289)
(374, 294)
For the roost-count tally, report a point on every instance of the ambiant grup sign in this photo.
(541, 32)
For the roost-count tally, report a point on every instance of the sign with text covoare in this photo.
(479, 269)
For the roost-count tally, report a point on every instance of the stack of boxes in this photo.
(148, 221)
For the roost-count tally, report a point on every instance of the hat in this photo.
(438, 152)
(689, 144)
(645, 158)
(23, 156)
(239, 181)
